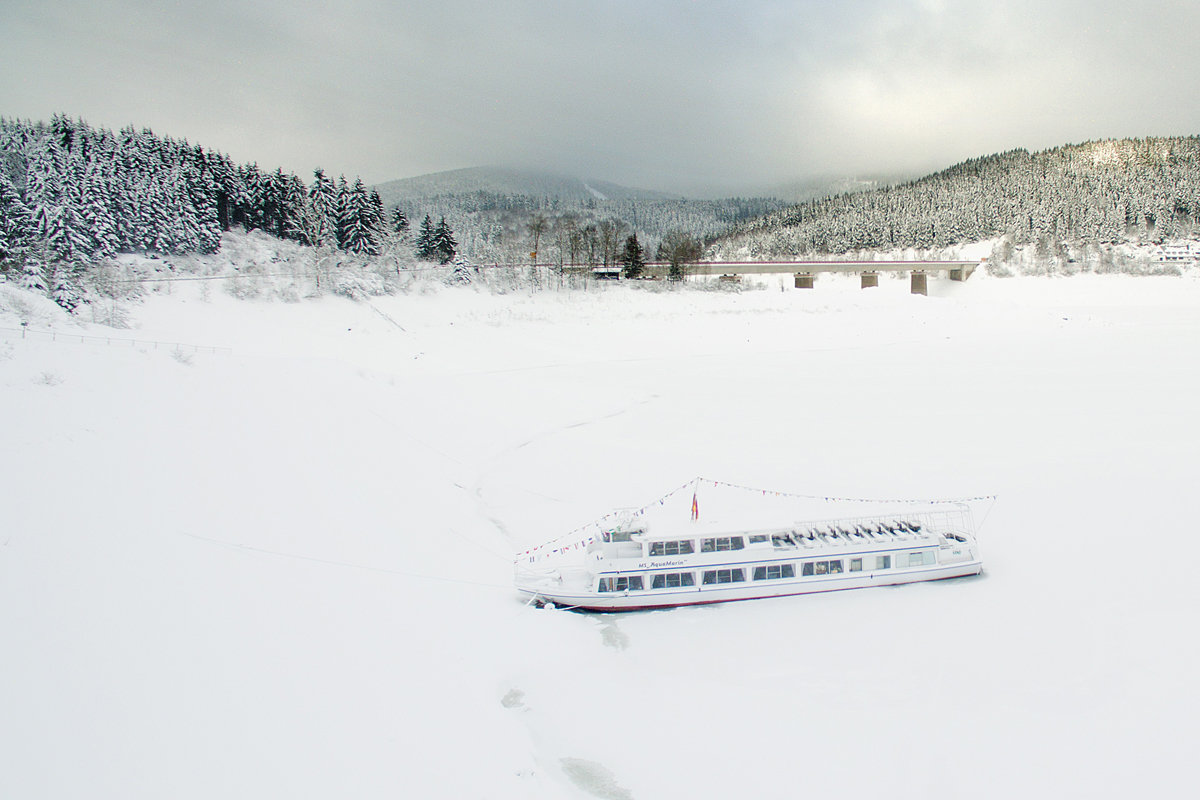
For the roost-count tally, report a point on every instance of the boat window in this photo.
(774, 572)
(758, 537)
(916, 559)
(630, 583)
(720, 543)
(723, 576)
(856, 565)
(883, 562)
(670, 580)
(671, 548)
(828, 567)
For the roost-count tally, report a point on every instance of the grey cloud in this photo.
(666, 93)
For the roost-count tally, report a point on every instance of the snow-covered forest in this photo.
(73, 197)
(585, 222)
(87, 194)
(1058, 201)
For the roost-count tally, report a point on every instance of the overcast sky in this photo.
(653, 93)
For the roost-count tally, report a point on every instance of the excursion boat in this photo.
(749, 544)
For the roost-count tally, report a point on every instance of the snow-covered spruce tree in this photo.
(358, 232)
(16, 226)
(399, 222)
(378, 215)
(632, 259)
(319, 223)
(343, 211)
(33, 270)
(424, 244)
(208, 229)
(96, 204)
(442, 243)
(71, 241)
(294, 196)
(462, 273)
(218, 169)
(63, 287)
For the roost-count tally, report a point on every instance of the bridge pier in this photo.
(870, 280)
(919, 283)
(805, 280)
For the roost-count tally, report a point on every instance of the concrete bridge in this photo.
(806, 272)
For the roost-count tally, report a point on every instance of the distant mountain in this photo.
(505, 182)
(1095, 193)
(510, 182)
(491, 209)
(813, 188)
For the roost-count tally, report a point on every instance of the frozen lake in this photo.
(286, 571)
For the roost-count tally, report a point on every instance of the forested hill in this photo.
(73, 195)
(500, 182)
(1094, 193)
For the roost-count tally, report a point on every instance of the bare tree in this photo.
(679, 249)
(610, 231)
(591, 243)
(566, 241)
(537, 227)
(569, 238)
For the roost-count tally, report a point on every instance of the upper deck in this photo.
(874, 532)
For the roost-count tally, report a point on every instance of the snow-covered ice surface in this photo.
(285, 571)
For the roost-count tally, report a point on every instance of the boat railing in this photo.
(905, 526)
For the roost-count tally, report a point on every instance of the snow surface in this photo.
(285, 570)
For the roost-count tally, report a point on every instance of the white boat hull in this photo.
(753, 590)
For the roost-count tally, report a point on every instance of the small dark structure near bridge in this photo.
(806, 271)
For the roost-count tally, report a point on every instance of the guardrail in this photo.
(84, 338)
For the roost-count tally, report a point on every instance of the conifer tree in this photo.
(96, 208)
(358, 231)
(221, 172)
(63, 289)
(70, 240)
(342, 216)
(443, 245)
(632, 258)
(16, 229)
(33, 271)
(324, 207)
(399, 222)
(378, 220)
(425, 243)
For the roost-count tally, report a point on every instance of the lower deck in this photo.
(677, 586)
